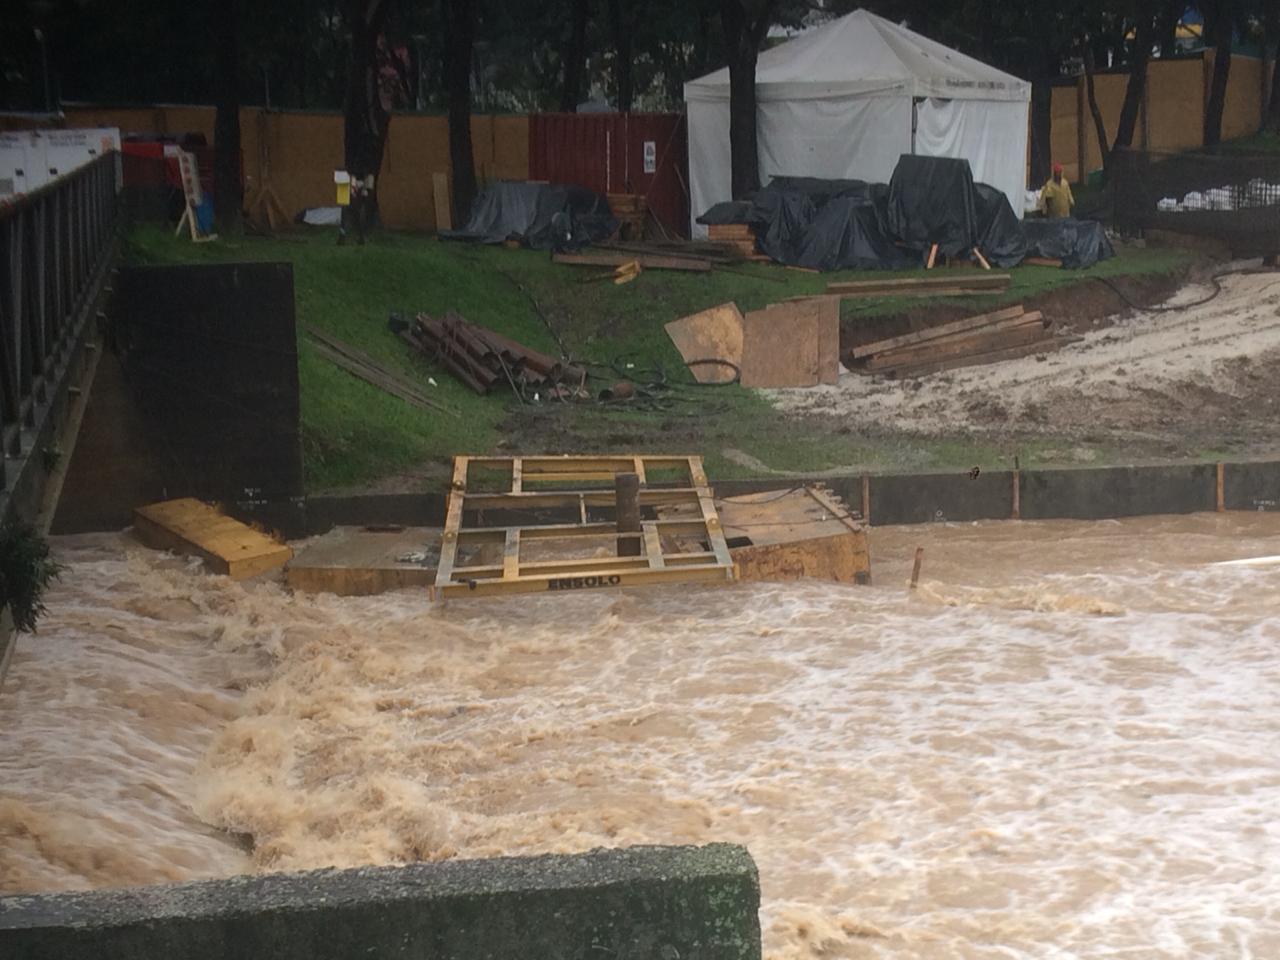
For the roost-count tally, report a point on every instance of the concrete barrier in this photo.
(638, 903)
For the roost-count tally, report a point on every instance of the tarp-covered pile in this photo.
(852, 224)
(539, 215)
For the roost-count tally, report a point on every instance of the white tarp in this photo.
(838, 101)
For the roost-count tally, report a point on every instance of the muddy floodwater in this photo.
(1065, 744)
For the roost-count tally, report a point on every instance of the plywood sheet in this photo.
(780, 346)
(714, 334)
(188, 526)
(440, 195)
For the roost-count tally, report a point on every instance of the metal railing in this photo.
(56, 245)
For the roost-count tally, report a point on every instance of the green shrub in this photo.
(26, 570)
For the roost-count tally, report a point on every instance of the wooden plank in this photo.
(192, 528)
(510, 554)
(942, 330)
(780, 346)
(981, 280)
(452, 521)
(444, 208)
(491, 571)
(714, 334)
(561, 531)
(562, 582)
(653, 545)
(981, 259)
(1041, 262)
(828, 341)
(647, 261)
(1046, 345)
(960, 345)
(933, 255)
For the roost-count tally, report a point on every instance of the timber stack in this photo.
(1005, 334)
(481, 358)
(630, 209)
(739, 236)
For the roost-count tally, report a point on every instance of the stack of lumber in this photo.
(630, 209)
(987, 338)
(480, 357)
(948, 285)
(739, 236)
(649, 261)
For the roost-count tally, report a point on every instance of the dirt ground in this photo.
(1184, 379)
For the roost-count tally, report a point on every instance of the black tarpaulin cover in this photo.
(846, 234)
(540, 215)
(1077, 243)
(932, 200)
(1000, 236)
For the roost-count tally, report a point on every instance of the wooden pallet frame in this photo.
(514, 575)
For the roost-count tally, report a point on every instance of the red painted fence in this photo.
(607, 152)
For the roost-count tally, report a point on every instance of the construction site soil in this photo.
(1188, 378)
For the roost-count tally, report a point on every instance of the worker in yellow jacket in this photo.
(1056, 200)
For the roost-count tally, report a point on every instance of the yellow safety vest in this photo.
(1056, 199)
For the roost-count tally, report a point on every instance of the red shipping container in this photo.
(639, 153)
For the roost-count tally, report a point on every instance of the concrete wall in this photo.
(302, 149)
(640, 903)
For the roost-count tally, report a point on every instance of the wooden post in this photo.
(626, 492)
(866, 500)
(1017, 495)
(915, 570)
(1222, 500)
(933, 256)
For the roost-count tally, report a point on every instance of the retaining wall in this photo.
(1088, 493)
(638, 903)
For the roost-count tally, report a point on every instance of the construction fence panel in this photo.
(636, 153)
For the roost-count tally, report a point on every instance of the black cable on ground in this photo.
(1215, 279)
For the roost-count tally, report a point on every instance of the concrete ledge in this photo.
(638, 903)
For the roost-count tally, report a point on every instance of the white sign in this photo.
(650, 156)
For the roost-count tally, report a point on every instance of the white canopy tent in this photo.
(847, 99)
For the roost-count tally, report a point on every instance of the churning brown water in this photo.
(1066, 744)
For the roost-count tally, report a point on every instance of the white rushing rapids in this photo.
(1066, 743)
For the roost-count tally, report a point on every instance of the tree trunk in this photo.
(364, 119)
(1221, 25)
(575, 59)
(1144, 37)
(742, 37)
(1271, 27)
(1099, 127)
(460, 35)
(228, 193)
(1273, 111)
(621, 27)
(1041, 130)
